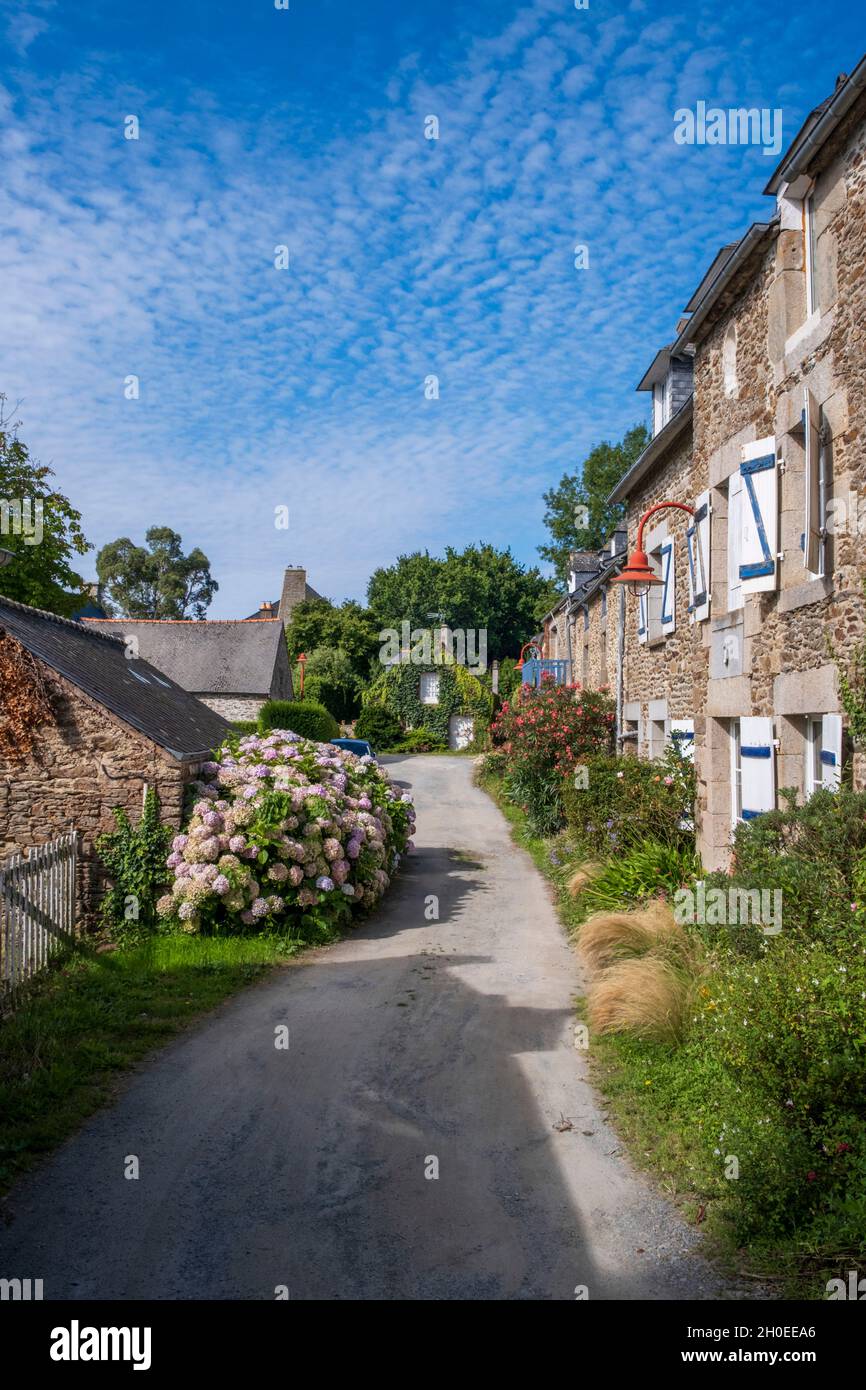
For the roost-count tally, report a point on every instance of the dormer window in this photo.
(660, 417)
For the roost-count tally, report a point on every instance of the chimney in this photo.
(266, 609)
(294, 592)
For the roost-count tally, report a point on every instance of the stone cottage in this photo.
(583, 628)
(233, 666)
(106, 729)
(769, 454)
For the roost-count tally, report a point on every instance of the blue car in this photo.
(359, 746)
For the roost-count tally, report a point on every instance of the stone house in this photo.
(233, 665)
(115, 727)
(582, 629)
(772, 461)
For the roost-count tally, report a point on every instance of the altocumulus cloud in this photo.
(408, 257)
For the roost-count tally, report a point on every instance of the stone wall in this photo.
(660, 680)
(82, 766)
(236, 707)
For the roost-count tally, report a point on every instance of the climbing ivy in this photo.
(397, 689)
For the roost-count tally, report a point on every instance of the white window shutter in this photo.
(641, 617)
(759, 516)
(758, 764)
(831, 751)
(698, 552)
(812, 483)
(669, 597)
(683, 735)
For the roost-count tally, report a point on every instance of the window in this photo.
(814, 778)
(584, 676)
(823, 748)
(603, 656)
(658, 406)
(809, 257)
(735, 517)
(604, 603)
(736, 773)
(428, 691)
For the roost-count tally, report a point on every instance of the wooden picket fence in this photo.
(37, 909)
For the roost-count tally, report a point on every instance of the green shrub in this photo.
(649, 870)
(379, 726)
(134, 856)
(814, 854)
(397, 689)
(419, 741)
(614, 804)
(304, 717)
(245, 726)
(545, 733)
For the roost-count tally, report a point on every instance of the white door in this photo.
(460, 730)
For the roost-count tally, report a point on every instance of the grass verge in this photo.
(93, 1015)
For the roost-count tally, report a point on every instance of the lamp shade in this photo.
(638, 574)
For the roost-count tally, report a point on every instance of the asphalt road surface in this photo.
(417, 1045)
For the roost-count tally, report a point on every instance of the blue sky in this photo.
(263, 388)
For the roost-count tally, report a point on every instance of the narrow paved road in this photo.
(414, 1040)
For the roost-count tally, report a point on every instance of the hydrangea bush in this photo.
(285, 832)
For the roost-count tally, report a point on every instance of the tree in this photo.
(331, 679)
(158, 582)
(40, 527)
(476, 589)
(348, 628)
(579, 516)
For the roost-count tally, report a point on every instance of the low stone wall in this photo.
(234, 707)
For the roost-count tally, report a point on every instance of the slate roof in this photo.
(134, 690)
(237, 656)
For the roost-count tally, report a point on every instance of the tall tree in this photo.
(41, 529)
(578, 515)
(156, 580)
(349, 628)
(478, 588)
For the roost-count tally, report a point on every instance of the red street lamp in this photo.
(535, 647)
(638, 574)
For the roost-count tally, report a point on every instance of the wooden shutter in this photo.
(698, 552)
(812, 483)
(668, 613)
(759, 516)
(758, 766)
(642, 617)
(831, 751)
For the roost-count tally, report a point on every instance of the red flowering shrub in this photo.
(544, 733)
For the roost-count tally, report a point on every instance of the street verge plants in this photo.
(286, 831)
(544, 733)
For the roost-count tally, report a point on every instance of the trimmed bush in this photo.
(304, 717)
(379, 726)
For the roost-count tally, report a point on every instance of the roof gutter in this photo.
(800, 157)
(749, 243)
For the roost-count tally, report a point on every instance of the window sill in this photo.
(811, 591)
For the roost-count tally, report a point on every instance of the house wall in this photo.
(82, 766)
(753, 359)
(661, 677)
(240, 707)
